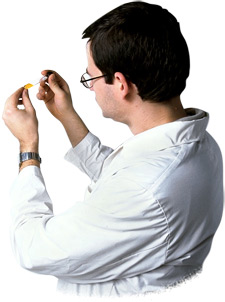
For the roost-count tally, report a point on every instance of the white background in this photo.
(37, 35)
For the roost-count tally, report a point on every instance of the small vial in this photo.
(27, 86)
(37, 81)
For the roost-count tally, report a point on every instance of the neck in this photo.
(146, 115)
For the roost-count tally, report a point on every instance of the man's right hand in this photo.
(56, 95)
(57, 98)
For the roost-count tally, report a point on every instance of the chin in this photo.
(105, 115)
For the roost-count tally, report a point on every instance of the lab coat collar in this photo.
(183, 131)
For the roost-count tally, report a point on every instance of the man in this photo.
(154, 204)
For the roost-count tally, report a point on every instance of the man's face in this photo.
(104, 93)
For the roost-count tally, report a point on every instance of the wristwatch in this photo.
(23, 156)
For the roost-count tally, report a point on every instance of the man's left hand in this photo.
(22, 123)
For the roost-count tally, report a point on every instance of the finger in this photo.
(20, 101)
(43, 90)
(60, 81)
(26, 100)
(55, 84)
(45, 94)
(13, 100)
(48, 72)
(43, 83)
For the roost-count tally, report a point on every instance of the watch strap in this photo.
(24, 156)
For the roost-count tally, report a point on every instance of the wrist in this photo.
(65, 119)
(75, 129)
(29, 147)
(29, 159)
(30, 162)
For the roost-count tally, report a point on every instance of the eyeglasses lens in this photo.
(85, 78)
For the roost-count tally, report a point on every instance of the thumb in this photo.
(53, 84)
(26, 100)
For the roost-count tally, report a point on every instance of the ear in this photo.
(121, 84)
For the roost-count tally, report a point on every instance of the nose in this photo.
(91, 84)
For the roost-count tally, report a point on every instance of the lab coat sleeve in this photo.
(89, 156)
(86, 244)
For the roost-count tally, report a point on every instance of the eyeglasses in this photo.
(86, 80)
